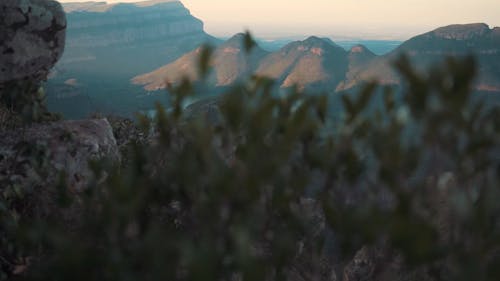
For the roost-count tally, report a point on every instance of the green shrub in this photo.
(259, 192)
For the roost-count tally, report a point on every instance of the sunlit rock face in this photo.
(230, 62)
(32, 35)
(315, 63)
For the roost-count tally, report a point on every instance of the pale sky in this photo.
(384, 19)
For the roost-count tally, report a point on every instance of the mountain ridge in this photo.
(321, 64)
(431, 47)
(230, 63)
(305, 63)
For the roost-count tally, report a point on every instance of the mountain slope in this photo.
(312, 63)
(321, 65)
(359, 58)
(431, 47)
(230, 63)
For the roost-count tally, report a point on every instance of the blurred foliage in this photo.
(241, 197)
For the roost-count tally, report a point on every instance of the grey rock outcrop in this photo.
(32, 36)
(36, 156)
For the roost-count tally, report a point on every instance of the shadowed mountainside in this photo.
(431, 47)
(108, 44)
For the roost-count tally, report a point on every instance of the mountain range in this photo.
(119, 57)
(231, 63)
(320, 64)
(431, 47)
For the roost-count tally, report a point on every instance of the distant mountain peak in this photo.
(237, 36)
(229, 61)
(320, 64)
(235, 41)
(462, 31)
(360, 49)
(235, 45)
(315, 45)
(314, 41)
(430, 48)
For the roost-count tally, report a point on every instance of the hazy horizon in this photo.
(366, 19)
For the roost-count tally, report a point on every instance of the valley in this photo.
(119, 57)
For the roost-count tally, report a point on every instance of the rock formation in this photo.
(98, 24)
(32, 157)
(32, 34)
(64, 146)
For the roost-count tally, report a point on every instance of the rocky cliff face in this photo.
(33, 40)
(108, 44)
(100, 24)
(35, 157)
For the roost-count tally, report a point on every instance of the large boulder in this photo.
(36, 160)
(32, 36)
(40, 163)
(36, 155)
